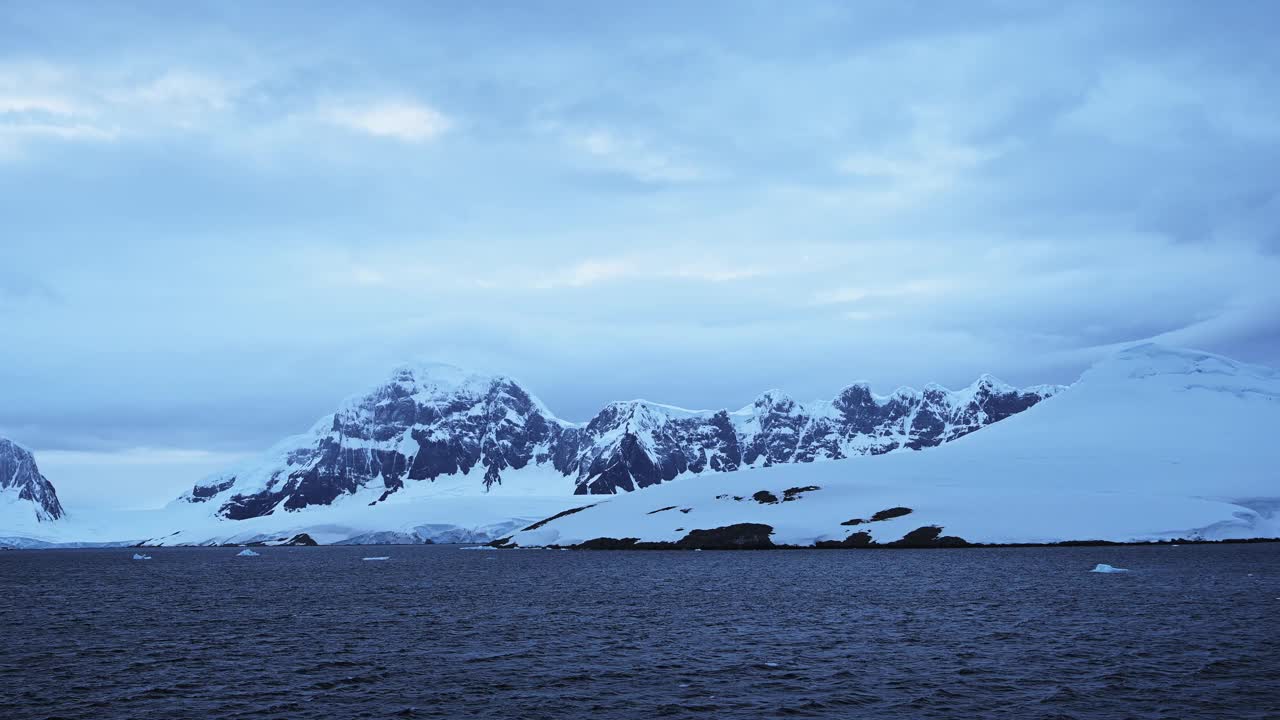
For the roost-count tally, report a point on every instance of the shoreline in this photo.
(597, 544)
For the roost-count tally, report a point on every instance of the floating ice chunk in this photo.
(380, 557)
(247, 553)
(1105, 568)
(140, 556)
(479, 547)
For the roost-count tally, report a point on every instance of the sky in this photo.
(218, 220)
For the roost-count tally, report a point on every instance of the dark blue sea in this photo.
(438, 632)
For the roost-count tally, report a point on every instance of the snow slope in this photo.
(1153, 443)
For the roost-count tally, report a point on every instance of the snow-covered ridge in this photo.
(428, 422)
(1153, 443)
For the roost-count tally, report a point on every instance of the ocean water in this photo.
(438, 632)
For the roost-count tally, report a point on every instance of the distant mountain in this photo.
(430, 423)
(1153, 443)
(22, 487)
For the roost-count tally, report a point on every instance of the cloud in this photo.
(404, 120)
(46, 105)
(838, 194)
(43, 101)
(34, 106)
(635, 158)
(912, 171)
(587, 273)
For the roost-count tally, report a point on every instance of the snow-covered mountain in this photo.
(25, 494)
(488, 435)
(1153, 443)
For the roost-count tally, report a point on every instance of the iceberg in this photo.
(247, 553)
(381, 557)
(140, 556)
(1105, 568)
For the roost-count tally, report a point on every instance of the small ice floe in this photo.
(247, 553)
(771, 664)
(1105, 568)
(479, 547)
(140, 556)
(380, 557)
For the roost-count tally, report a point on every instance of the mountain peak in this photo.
(775, 400)
(20, 475)
(438, 376)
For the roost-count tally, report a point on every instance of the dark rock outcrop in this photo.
(18, 471)
(764, 497)
(928, 537)
(860, 539)
(742, 536)
(889, 514)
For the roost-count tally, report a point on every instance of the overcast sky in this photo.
(217, 221)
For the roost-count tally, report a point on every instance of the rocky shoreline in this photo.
(755, 536)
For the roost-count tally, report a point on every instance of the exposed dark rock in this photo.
(764, 497)
(302, 539)
(928, 537)
(891, 513)
(742, 536)
(796, 493)
(201, 493)
(860, 539)
(655, 512)
(557, 516)
(606, 543)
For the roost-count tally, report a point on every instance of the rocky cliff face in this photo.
(20, 478)
(431, 422)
